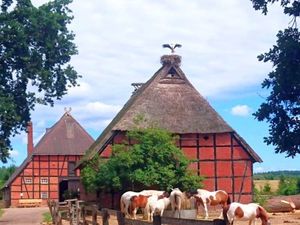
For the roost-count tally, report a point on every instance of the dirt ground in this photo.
(23, 216)
(285, 218)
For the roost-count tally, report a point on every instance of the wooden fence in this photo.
(78, 213)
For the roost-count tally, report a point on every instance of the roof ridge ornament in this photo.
(172, 47)
(67, 111)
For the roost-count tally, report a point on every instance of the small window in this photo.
(44, 180)
(71, 168)
(28, 180)
(44, 195)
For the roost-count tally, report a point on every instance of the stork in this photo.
(172, 47)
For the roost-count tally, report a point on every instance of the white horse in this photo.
(157, 204)
(176, 199)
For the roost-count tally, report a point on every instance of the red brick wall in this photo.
(48, 167)
(223, 162)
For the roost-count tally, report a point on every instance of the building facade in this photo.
(49, 172)
(170, 101)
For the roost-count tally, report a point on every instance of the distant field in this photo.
(259, 184)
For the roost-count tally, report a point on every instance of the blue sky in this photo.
(119, 43)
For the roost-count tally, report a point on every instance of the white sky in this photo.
(119, 43)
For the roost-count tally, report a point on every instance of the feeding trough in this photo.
(184, 214)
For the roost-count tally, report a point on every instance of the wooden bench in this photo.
(30, 202)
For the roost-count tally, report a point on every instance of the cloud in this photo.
(258, 169)
(14, 153)
(241, 110)
(120, 43)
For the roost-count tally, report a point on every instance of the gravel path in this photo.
(23, 216)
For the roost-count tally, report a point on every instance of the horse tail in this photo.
(225, 210)
(228, 200)
(122, 206)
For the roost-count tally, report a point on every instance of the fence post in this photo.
(156, 220)
(105, 217)
(70, 212)
(120, 218)
(78, 211)
(83, 215)
(94, 216)
(219, 222)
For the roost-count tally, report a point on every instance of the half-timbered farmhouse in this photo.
(48, 171)
(169, 100)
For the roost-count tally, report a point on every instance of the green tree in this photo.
(153, 162)
(5, 173)
(282, 107)
(35, 50)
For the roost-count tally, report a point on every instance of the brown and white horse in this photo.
(213, 198)
(247, 212)
(131, 201)
(136, 202)
(125, 202)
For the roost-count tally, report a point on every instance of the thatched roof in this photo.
(169, 101)
(66, 137)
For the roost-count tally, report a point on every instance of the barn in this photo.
(48, 171)
(169, 100)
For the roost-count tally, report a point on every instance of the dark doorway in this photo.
(63, 187)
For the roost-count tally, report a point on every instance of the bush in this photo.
(260, 197)
(47, 218)
(289, 186)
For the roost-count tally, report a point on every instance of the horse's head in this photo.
(165, 194)
(263, 215)
(191, 193)
(199, 200)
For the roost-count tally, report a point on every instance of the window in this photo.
(44, 195)
(71, 168)
(28, 180)
(44, 180)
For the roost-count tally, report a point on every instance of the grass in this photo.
(1, 212)
(274, 184)
(47, 218)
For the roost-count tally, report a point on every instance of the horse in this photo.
(125, 202)
(157, 205)
(176, 199)
(213, 198)
(132, 200)
(247, 212)
(136, 202)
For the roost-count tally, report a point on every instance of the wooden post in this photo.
(94, 216)
(78, 211)
(69, 211)
(120, 218)
(156, 220)
(219, 222)
(83, 212)
(105, 217)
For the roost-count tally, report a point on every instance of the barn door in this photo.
(63, 187)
